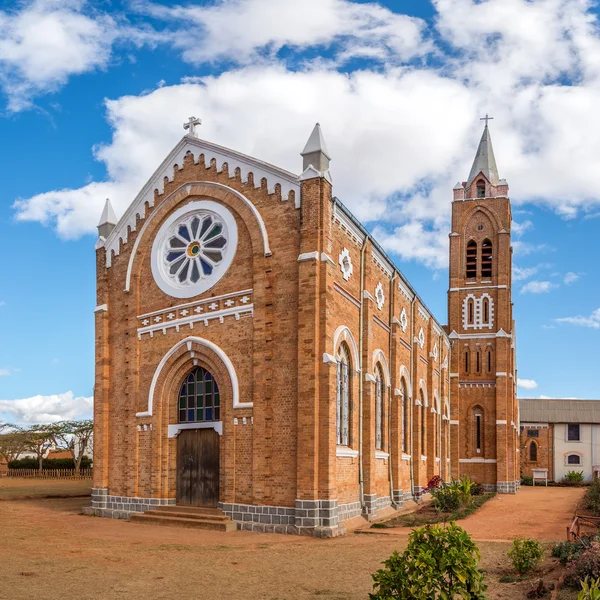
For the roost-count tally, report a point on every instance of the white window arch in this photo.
(478, 311)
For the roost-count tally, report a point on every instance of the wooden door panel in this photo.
(198, 467)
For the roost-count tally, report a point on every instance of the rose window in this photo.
(196, 247)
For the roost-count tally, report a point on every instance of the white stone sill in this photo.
(344, 451)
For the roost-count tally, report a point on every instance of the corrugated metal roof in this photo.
(559, 410)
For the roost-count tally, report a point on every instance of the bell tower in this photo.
(484, 423)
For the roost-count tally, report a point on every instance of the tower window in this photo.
(486, 310)
(478, 361)
(486, 259)
(489, 356)
(466, 361)
(471, 260)
(471, 311)
(481, 189)
(533, 452)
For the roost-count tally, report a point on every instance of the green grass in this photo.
(430, 516)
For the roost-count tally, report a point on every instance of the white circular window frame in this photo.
(158, 249)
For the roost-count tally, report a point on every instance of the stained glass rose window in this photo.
(194, 248)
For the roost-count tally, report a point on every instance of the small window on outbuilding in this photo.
(573, 459)
(573, 432)
(533, 433)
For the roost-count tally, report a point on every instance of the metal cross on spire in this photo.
(486, 119)
(191, 125)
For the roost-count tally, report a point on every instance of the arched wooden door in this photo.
(198, 448)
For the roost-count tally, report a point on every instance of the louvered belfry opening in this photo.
(486, 259)
(471, 260)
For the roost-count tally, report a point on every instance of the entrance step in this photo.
(186, 516)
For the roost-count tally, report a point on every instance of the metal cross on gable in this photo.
(191, 125)
(486, 119)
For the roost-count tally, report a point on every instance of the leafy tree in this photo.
(13, 442)
(73, 436)
(39, 440)
(438, 563)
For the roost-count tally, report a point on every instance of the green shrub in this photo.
(527, 480)
(567, 551)
(525, 555)
(590, 590)
(465, 487)
(439, 562)
(592, 497)
(573, 477)
(49, 463)
(446, 499)
(587, 564)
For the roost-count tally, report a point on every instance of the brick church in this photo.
(262, 363)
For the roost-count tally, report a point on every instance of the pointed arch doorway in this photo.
(198, 442)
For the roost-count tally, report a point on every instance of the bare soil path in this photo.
(539, 512)
(15, 488)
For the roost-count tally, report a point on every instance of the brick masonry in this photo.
(278, 448)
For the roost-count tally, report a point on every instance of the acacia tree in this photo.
(40, 440)
(13, 442)
(74, 436)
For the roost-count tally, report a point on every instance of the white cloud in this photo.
(247, 31)
(4, 372)
(527, 384)
(519, 274)
(518, 229)
(538, 287)
(46, 409)
(571, 278)
(44, 42)
(592, 321)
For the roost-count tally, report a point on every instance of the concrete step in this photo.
(188, 515)
(198, 510)
(177, 521)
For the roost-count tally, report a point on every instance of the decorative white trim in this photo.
(479, 336)
(434, 354)
(369, 377)
(501, 422)
(174, 430)
(380, 454)
(500, 374)
(423, 386)
(418, 402)
(379, 357)
(437, 459)
(423, 458)
(454, 375)
(404, 373)
(454, 421)
(403, 319)
(188, 186)
(343, 334)
(327, 259)
(383, 264)
(405, 456)
(379, 295)
(101, 308)
(535, 425)
(345, 263)
(311, 173)
(421, 338)
(397, 392)
(329, 359)
(405, 290)
(367, 295)
(478, 322)
(479, 287)
(347, 225)
(477, 460)
(308, 256)
(218, 351)
(344, 451)
(423, 314)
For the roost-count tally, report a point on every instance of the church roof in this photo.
(484, 162)
(108, 215)
(316, 143)
(533, 410)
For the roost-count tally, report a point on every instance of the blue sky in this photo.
(93, 96)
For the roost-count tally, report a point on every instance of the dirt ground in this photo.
(538, 512)
(13, 488)
(49, 550)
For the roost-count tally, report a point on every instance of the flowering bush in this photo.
(434, 483)
(587, 564)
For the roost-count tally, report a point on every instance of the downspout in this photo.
(391, 394)
(411, 399)
(361, 481)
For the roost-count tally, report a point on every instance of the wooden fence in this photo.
(48, 473)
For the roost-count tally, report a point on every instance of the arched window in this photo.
(478, 429)
(467, 360)
(471, 260)
(481, 189)
(478, 353)
(423, 423)
(378, 408)
(343, 396)
(405, 416)
(471, 311)
(573, 459)
(486, 310)
(533, 452)
(486, 259)
(199, 398)
(489, 361)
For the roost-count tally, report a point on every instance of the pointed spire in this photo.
(108, 220)
(315, 152)
(484, 162)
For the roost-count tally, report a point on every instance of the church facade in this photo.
(258, 352)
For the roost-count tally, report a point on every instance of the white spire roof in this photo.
(108, 215)
(316, 143)
(484, 162)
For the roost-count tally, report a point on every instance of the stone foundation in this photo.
(120, 507)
